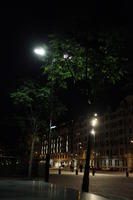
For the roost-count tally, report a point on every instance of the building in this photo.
(111, 140)
(61, 145)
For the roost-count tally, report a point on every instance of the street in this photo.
(110, 185)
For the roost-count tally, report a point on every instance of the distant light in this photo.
(39, 51)
(89, 102)
(52, 127)
(65, 56)
(95, 114)
(93, 132)
(94, 122)
(131, 141)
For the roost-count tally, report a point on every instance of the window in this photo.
(120, 131)
(116, 162)
(107, 134)
(107, 152)
(121, 151)
(130, 130)
(104, 162)
(67, 144)
(121, 140)
(110, 162)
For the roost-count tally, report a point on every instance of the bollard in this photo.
(93, 173)
(127, 173)
(59, 170)
(76, 171)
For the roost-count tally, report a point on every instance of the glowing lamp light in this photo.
(94, 122)
(92, 132)
(39, 51)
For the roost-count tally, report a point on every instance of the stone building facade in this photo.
(111, 141)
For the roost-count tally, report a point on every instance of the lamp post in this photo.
(85, 184)
(42, 52)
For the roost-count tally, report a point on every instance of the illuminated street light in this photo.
(131, 141)
(95, 114)
(94, 122)
(40, 51)
(93, 132)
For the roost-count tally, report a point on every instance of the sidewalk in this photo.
(98, 173)
(39, 190)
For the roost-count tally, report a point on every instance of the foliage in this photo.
(34, 102)
(88, 62)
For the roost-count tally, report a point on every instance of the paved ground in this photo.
(110, 185)
(115, 186)
(39, 190)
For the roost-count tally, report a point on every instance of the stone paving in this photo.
(110, 185)
(39, 190)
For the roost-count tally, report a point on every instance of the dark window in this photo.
(107, 152)
(107, 134)
(121, 151)
(130, 130)
(110, 162)
(116, 162)
(120, 131)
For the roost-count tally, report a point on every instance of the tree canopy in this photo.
(88, 62)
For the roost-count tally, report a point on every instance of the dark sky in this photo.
(23, 28)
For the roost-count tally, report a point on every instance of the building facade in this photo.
(111, 140)
(61, 147)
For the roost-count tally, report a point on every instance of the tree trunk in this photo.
(31, 156)
(85, 184)
(49, 151)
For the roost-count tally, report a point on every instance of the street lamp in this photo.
(93, 132)
(85, 185)
(39, 51)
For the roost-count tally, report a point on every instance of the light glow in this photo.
(52, 127)
(94, 122)
(65, 56)
(39, 51)
(93, 132)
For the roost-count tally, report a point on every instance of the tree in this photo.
(35, 101)
(88, 64)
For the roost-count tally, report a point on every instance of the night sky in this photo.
(23, 28)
